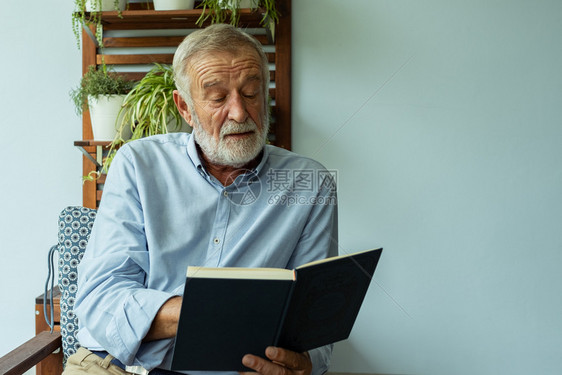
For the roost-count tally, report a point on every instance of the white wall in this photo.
(41, 169)
(444, 121)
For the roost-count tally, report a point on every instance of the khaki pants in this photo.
(85, 362)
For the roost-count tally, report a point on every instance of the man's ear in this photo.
(182, 106)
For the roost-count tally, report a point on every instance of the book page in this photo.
(240, 273)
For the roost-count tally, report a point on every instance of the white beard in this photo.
(231, 152)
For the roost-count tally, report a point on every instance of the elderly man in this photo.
(219, 197)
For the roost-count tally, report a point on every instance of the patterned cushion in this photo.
(75, 225)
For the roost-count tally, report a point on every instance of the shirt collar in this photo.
(193, 154)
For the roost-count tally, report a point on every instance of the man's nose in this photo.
(237, 109)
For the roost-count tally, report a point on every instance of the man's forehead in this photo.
(214, 81)
(205, 66)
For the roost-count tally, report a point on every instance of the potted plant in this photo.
(218, 11)
(103, 93)
(88, 12)
(173, 4)
(148, 109)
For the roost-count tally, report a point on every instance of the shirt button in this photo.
(225, 193)
(216, 241)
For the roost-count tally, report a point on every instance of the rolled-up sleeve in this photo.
(114, 305)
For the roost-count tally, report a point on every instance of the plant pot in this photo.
(106, 5)
(173, 4)
(103, 113)
(248, 4)
(243, 4)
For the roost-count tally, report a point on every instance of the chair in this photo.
(75, 225)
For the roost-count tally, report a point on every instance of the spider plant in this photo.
(219, 11)
(148, 109)
(82, 17)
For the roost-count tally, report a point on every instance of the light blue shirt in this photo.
(161, 211)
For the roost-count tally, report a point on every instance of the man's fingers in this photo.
(249, 361)
(263, 366)
(280, 362)
(287, 358)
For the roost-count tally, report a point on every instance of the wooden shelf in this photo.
(131, 52)
(89, 142)
(168, 19)
(93, 150)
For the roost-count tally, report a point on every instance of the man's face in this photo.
(229, 115)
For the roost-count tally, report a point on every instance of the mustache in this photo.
(233, 127)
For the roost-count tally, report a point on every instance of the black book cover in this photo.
(223, 318)
(326, 300)
(228, 319)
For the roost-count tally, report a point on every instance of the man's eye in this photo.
(250, 95)
(218, 99)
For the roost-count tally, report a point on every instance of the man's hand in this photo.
(281, 362)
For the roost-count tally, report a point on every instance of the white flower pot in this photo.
(106, 5)
(173, 4)
(243, 3)
(248, 4)
(103, 113)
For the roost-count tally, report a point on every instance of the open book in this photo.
(229, 312)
